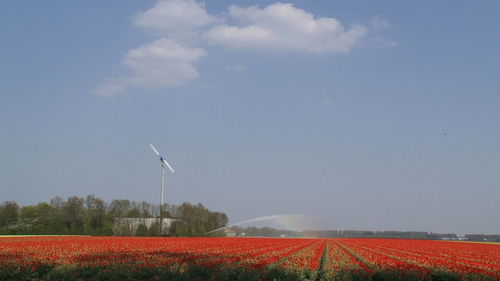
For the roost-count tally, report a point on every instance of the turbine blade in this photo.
(154, 149)
(168, 165)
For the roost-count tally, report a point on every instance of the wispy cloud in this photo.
(377, 25)
(236, 67)
(111, 87)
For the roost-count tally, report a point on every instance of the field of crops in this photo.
(134, 258)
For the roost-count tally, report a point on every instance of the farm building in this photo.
(229, 232)
(129, 226)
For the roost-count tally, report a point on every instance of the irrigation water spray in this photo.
(294, 222)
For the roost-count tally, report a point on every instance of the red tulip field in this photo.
(137, 258)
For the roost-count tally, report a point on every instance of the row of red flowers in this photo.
(363, 256)
(425, 256)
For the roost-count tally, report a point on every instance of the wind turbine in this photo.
(163, 164)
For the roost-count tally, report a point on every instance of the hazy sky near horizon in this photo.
(360, 114)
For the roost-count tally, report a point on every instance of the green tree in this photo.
(9, 213)
(38, 219)
(142, 230)
(119, 208)
(73, 214)
(154, 230)
(134, 213)
(56, 219)
(95, 214)
(145, 209)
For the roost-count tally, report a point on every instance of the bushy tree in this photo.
(119, 208)
(134, 213)
(142, 230)
(73, 213)
(9, 213)
(95, 215)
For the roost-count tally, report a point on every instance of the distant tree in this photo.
(134, 213)
(145, 209)
(9, 213)
(166, 214)
(178, 228)
(154, 230)
(9, 216)
(142, 230)
(119, 208)
(57, 202)
(195, 220)
(95, 214)
(221, 219)
(29, 213)
(41, 219)
(268, 232)
(73, 214)
(252, 231)
(56, 219)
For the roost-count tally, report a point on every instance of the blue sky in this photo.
(360, 114)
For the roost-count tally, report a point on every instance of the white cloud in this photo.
(282, 26)
(182, 25)
(174, 18)
(163, 63)
(169, 60)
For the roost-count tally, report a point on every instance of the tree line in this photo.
(91, 215)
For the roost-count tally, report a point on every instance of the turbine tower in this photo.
(163, 164)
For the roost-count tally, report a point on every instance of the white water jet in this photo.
(294, 222)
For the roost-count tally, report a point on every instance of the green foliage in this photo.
(395, 275)
(237, 274)
(73, 214)
(154, 230)
(142, 230)
(15, 274)
(280, 274)
(195, 220)
(322, 272)
(445, 276)
(222, 273)
(62, 273)
(44, 269)
(9, 213)
(93, 216)
(134, 213)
